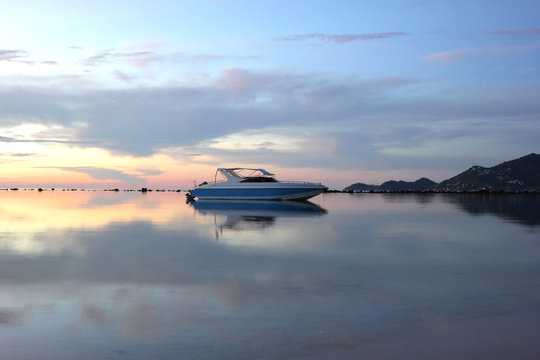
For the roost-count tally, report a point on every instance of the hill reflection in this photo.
(520, 208)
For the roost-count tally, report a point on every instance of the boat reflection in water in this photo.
(254, 215)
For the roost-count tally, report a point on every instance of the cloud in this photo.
(108, 55)
(45, 141)
(342, 122)
(15, 56)
(265, 145)
(137, 58)
(149, 172)
(141, 123)
(198, 58)
(143, 58)
(107, 174)
(341, 38)
(515, 32)
(10, 317)
(123, 76)
(452, 56)
(18, 154)
(459, 55)
(299, 148)
(10, 55)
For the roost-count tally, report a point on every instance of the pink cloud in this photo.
(448, 57)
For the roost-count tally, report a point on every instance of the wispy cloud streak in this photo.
(515, 32)
(10, 55)
(112, 54)
(340, 38)
(45, 141)
(14, 55)
(458, 55)
(145, 57)
(105, 174)
(452, 56)
(18, 154)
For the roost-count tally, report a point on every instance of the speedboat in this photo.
(254, 184)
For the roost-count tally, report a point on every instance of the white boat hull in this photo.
(273, 191)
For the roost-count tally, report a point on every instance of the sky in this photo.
(129, 94)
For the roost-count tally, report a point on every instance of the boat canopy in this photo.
(230, 173)
(264, 172)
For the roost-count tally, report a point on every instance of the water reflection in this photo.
(520, 208)
(250, 215)
(28, 218)
(127, 276)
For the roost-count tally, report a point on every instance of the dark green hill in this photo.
(360, 187)
(521, 174)
(422, 184)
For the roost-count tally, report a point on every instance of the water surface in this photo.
(106, 275)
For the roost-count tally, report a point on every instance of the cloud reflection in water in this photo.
(142, 276)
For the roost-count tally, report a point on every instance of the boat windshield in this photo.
(252, 179)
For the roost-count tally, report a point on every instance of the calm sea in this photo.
(126, 275)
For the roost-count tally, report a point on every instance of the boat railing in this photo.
(299, 182)
(281, 181)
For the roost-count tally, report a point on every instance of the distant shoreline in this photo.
(479, 192)
(143, 190)
(355, 192)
